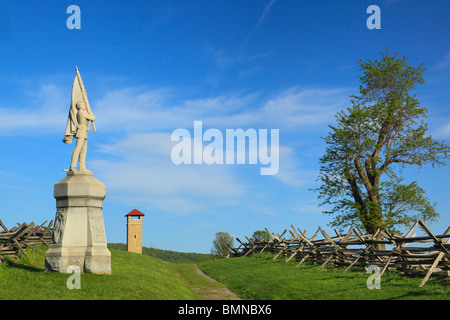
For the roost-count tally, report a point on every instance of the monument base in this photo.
(88, 260)
(79, 237)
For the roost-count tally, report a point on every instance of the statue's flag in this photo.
(78, 94)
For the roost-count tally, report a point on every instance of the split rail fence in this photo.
(429, 256)
(22, 236)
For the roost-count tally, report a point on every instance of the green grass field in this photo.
(261, 278)
(136, 276)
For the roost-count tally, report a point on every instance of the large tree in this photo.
(382, 132)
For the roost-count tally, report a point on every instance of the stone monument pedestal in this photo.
(79, 237)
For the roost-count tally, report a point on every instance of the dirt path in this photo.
(214, 292)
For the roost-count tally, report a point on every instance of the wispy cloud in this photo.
(444, 64)
(290, 171)
(439, 71)
(443, 131)
(261, 19)
(43, 112)
(140, 170)
(144, 171)
(244, 65)
(297, 107)
(265, 13)
(137, 166)
(142, 109)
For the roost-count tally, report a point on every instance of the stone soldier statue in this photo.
(80, 115)
(79, 153)
(79, 237)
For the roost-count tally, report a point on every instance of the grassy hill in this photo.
(167, 255)
(134, 276)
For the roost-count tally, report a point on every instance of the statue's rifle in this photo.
(84, 94)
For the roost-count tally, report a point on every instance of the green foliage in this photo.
(167, 255)
(221, 244)
(261, 235)
(381, 133)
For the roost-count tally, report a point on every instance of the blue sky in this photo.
(150, 67)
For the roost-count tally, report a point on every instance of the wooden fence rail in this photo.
(429, 256)
(22, 236)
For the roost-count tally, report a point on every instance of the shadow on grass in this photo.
(408, 295)
(12, 264)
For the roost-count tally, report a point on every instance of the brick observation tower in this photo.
(134, 231)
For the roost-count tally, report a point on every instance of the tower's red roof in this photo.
(134, 212)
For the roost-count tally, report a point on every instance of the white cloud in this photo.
(265, 13)
(132, 109)
(137, 167)
(139, 109)
(291, 109)
(261, 19)
(444, 131)
(45, 111)
(309, 209)
(141, 169)
(444, 64)
(298, 107)
(290, 172)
